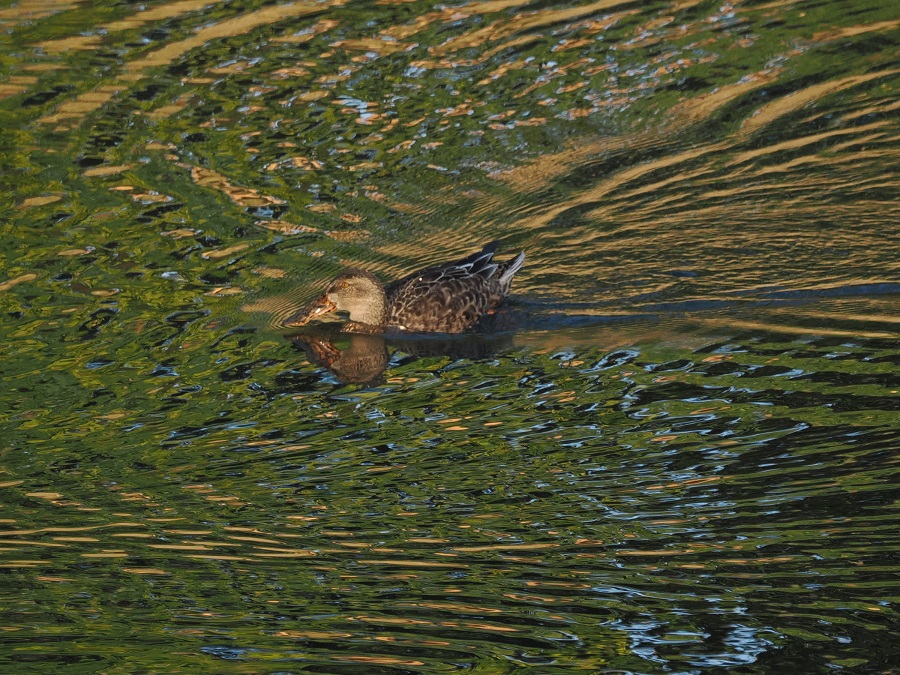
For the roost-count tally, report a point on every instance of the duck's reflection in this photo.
(353, 358)
(358, 358)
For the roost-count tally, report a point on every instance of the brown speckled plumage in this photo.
(446, 298)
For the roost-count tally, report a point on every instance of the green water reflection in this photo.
(674, 452)
(705, 506)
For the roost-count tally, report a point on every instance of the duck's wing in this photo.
(435, 302)
(478, 264)
(453, 296)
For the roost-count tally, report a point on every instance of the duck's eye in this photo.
(344, 284)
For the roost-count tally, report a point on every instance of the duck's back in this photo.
(452, 297)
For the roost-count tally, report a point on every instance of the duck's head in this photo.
(356, 292)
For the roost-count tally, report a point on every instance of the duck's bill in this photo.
(318, 307)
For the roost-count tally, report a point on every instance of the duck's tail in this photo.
(508, 271)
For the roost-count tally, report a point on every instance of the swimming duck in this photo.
(446, 298)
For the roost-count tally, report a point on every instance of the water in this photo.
(675, 451)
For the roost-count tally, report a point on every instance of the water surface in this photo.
(674, 452)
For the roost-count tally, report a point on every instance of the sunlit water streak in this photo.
(674, 451)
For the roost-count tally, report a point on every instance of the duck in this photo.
(446, 298)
